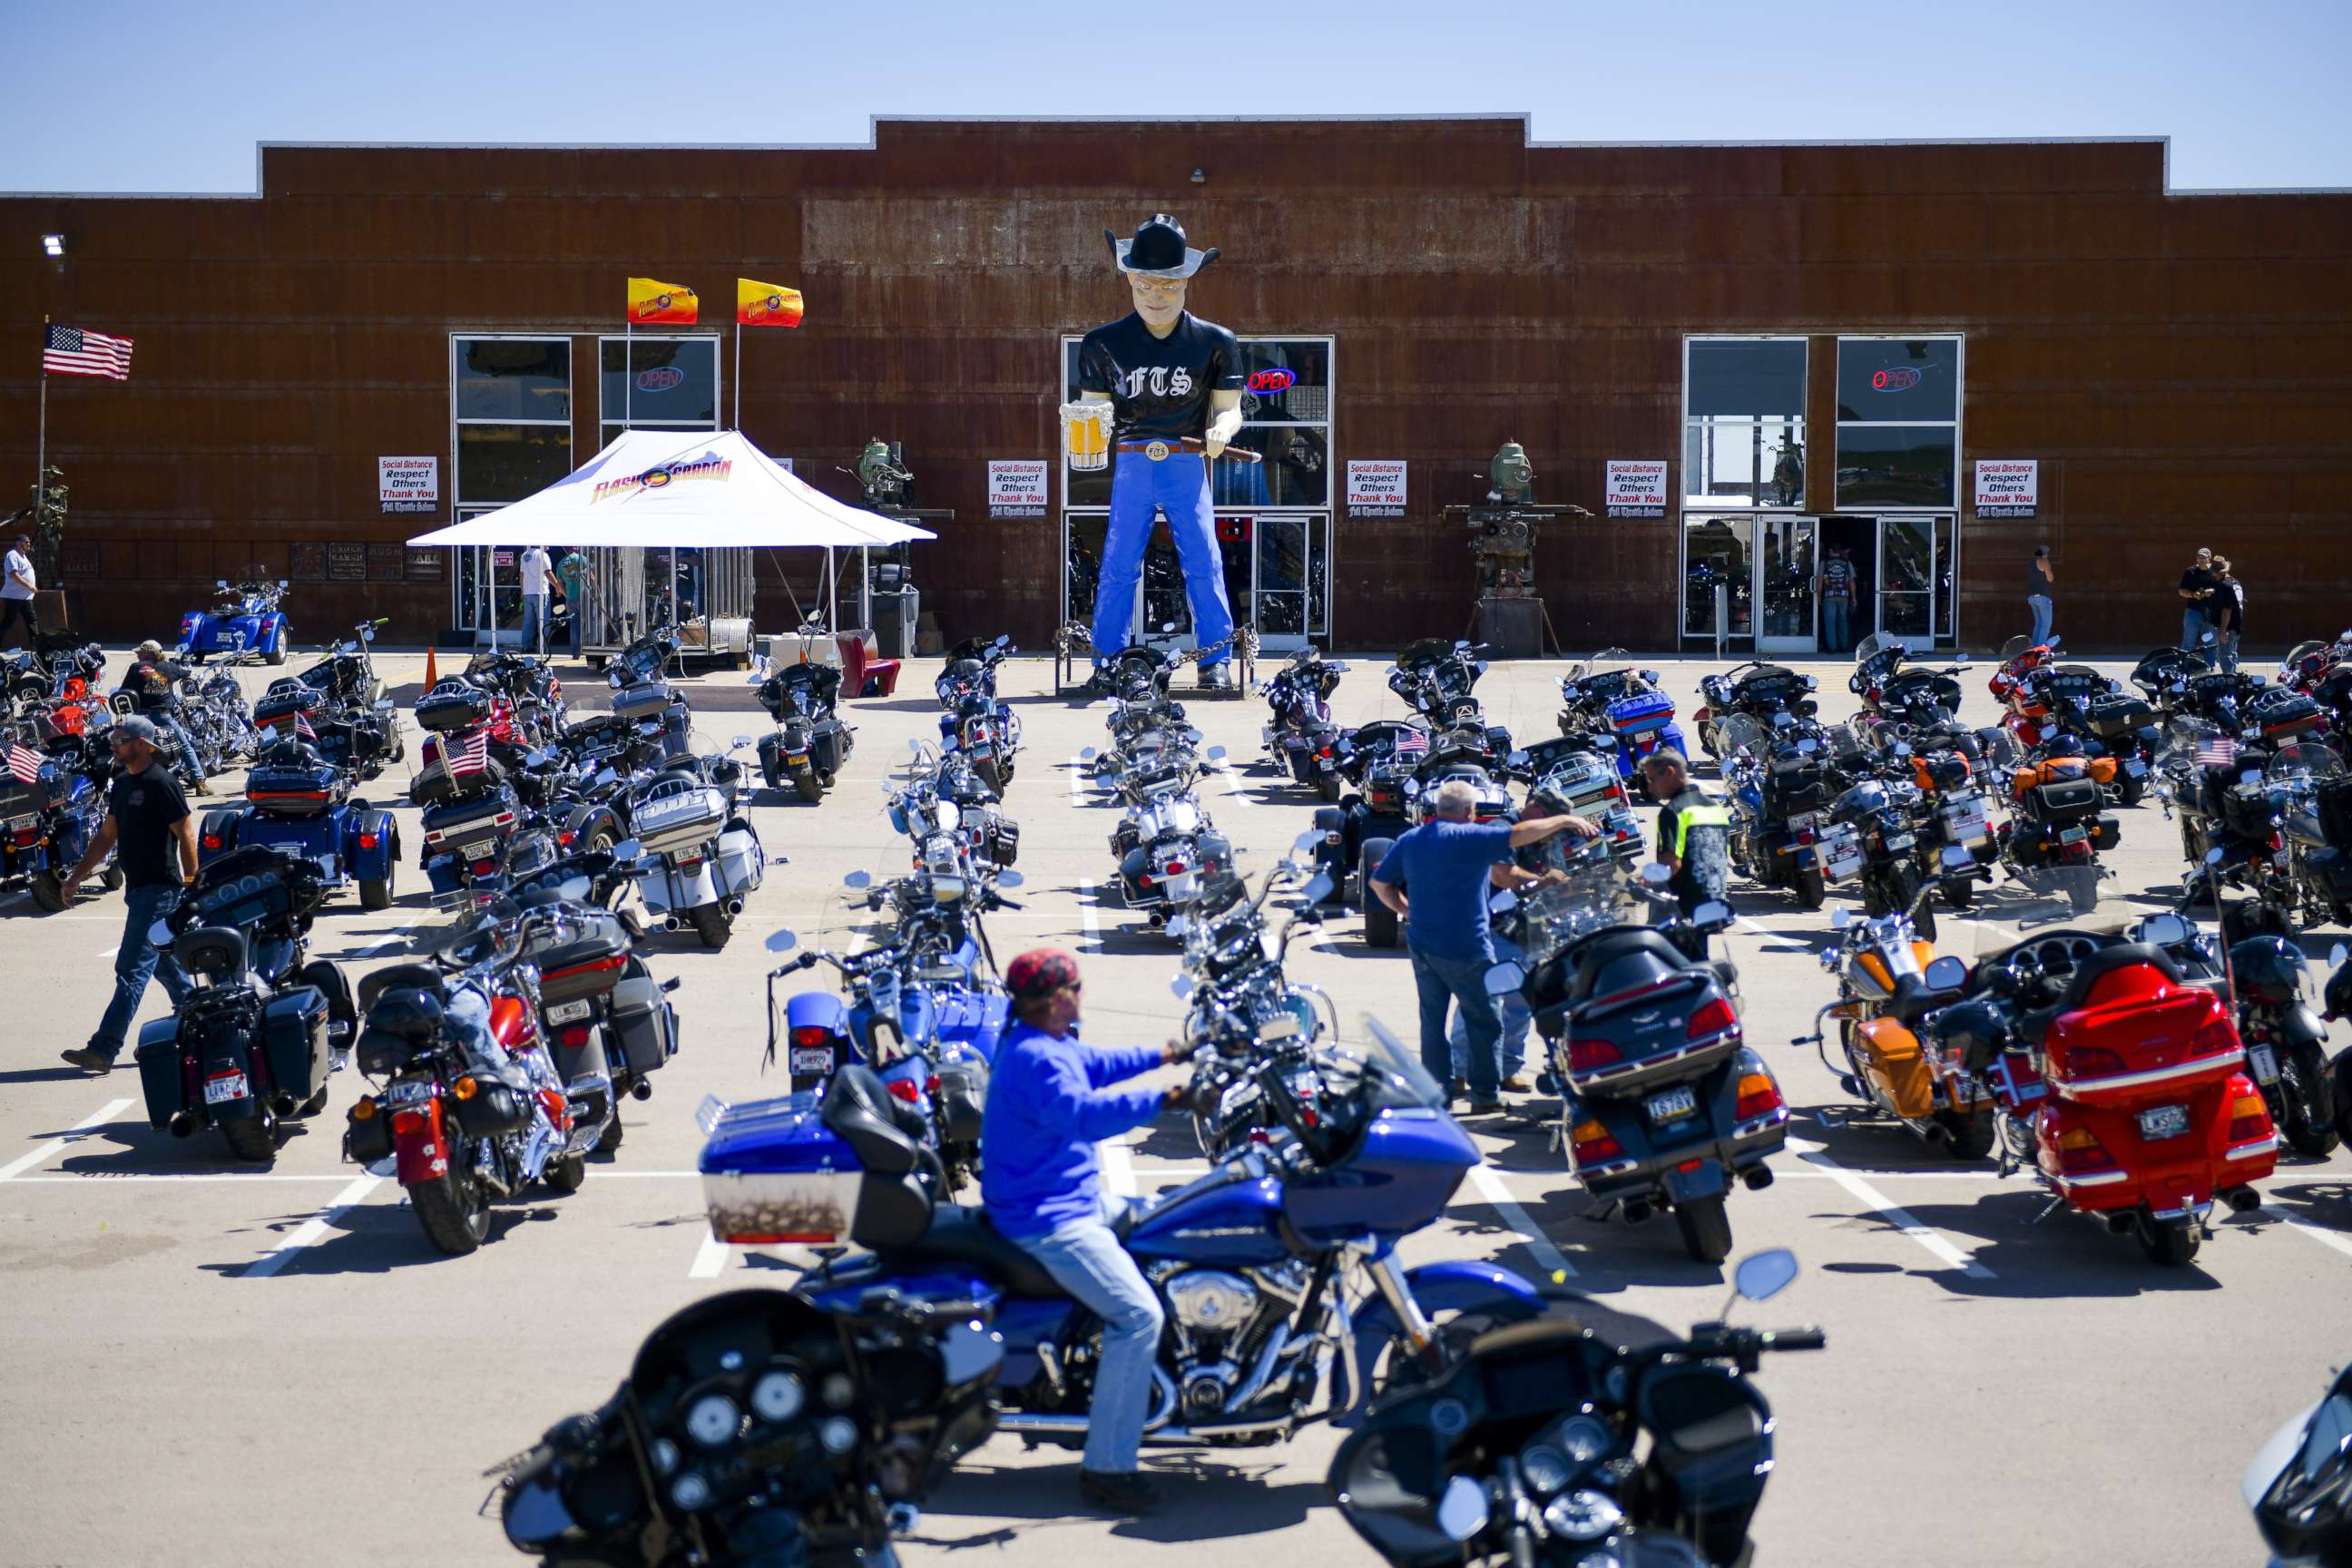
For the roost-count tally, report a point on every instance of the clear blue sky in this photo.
(141, 95)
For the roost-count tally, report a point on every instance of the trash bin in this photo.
(895, 616)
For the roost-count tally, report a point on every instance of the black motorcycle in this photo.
(1434, 677)
(251, 1046)
(1757, 692)
(811, 743)
(758, 1430)
(2300, 1485)
(1299, 734)
(1528, 1446)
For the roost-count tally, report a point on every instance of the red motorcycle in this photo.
(2118, 1081)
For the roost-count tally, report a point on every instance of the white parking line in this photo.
(312, 1230)
(1894, 1213)
(80, 1129)
(1548, 1256)
(1781, 938)
(2322, 1234)
(1078, 766)
(397, 939)
(110, 952)
(1087, 919)
(710, 1258)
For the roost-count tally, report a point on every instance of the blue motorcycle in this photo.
(1256, 1264)
(47, 821)
(298, 801)
(245, 621)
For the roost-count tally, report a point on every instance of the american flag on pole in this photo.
(470, 756)
(2216, 751)
(302, 726)
(1412, 742)
(70, 351)
(24, 763)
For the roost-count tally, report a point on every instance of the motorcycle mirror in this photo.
(2163, 931)
(1306, 840)
(856, 879)
(1318, 887)
(628, 849)
(1087, 755)
(1182, 987)
(1002, 640)
(1217, 753)
(915, 745)
(1947, 974)
(1762, 1275)
(1338, 665)
(368, 635)
(1962, 658)
(2214, 855)
(1191, 734)
(575, 890)
(1808, 746)
(1462, 1510)
(220, 583)
(1656, 876)
(1503, 978)
(1515, 760)
(1168, 626)
(1009, 880)
(1840, 918)
(782, 940)
(947, 816)
(1955, 858)
(160, 934)
(1502, 900)
(739, 742)
(2335, 955)
(1712, 915)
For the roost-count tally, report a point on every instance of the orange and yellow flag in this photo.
(653, 301)
(759, 304)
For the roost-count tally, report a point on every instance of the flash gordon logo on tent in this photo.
(660, 379)
(658, 478)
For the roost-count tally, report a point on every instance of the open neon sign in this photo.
(1273, 380)
(1901, 378)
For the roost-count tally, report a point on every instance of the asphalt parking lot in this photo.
(218, 1365)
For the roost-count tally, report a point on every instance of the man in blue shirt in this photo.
(1443, 864)
(1050, 1101)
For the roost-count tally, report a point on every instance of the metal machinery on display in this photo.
(1510, 617)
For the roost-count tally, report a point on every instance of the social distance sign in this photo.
(1634, 487)
(1016, 487)
(408, 484)
(1376, 487)
(2008, 487)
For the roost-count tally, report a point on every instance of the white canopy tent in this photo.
(680, 489)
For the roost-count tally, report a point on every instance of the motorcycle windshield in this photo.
(2303, 759)
(1400, 1081)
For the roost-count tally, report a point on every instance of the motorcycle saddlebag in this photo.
(1794, 787)
(774, 1172)
(588, 964)
(1002, 844)
(497, 1107)
(470, 823)
(678, 815)
(830, 748)
(160, 1078)
(2335, 804)
(963, 1090)
(643, 699)
(295, 790)
(294, 1033)
(452, 705)
(645, 1025)
(367, 1139)
(740, 859)
(2063, 801)
(1644, 714)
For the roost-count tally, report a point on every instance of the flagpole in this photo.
(628, 369)
(41, 450)
(739, 376)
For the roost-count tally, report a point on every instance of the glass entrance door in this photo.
(1276, 569)
(489, 592)
(1787, 566)
(1906, 581)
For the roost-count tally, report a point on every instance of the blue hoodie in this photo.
(1049, 1103)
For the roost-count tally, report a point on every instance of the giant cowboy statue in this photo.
(1172, 383)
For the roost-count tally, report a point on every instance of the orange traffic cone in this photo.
(431, 679)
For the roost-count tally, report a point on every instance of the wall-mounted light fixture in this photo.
(53, 245)
(1199, 178)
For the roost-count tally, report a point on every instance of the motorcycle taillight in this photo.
(812, 1035)
(1758, 1096)
(1589, 1144)
(2249, 1119)
(904, 1088)
(1715, 1018)
(1583, 1055)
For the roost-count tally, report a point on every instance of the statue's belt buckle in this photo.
(1157, 451)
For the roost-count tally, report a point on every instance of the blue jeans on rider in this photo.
(137, 960)
(1835, 622)
(2192, 630)
(1516, 1018)
(2039, 604)
(1177, 485)
(1443, 982)
(2225, 652)
(1086, 1260)
(534, 623)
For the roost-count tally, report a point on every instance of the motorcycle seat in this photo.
(2096, 967)
(396, 977)
(218, 951)
(959, 1235)
(1599, 961)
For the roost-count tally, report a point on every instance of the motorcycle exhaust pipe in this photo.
(1934, 1131)
(1757, 1178)
(2120, 1222)
(281, 1105)
(641, 1090)
(1159, 917)
(182, 1124)
(670, 923)
(1638, 1210)
(2242, 1200)
(734, 908)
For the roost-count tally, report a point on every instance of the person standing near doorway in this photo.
(573, 572)
(537, 574)
(2196, 594)
(1836, 587)
(2039, 581)
(2227, 609)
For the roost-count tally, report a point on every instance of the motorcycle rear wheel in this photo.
(253, 1138)
(565, 1173)
(48, 891)
(111, 879)
(454, 1211)
(1706, 1225)
(2083, 888)
(2129, 790)
(275, 654)
(991, 775)
(711, 924)
(1968, 1137)
(2169, 1245)
(1810, 888)
(1327, 786)
(808, 786)
(1960, 893)
(2309, 1125)
(375, 893)
(1380, 925)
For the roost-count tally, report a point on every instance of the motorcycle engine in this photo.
(1206, 1301)
(1222, 1322)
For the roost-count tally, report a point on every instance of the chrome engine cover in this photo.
(1206, 1301)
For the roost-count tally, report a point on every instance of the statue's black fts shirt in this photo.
(1159, 387)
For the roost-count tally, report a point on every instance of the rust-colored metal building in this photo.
(1819, 342)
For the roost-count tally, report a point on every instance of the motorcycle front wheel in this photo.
(48, 891)
(1706, 1225)
(1810, 888)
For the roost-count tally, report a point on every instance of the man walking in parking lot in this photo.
(16, 588)
(1442, 868)
(154, 841)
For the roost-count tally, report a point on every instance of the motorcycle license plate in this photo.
(408, 1091)
(2134, 767)
(1674, 1102)
(1901, 840)
(570, 1011)
(2163, 1121)
(481, 851)
(812, 1060)
(18, 824)
(1278, 1029)
(2266, 1063)
(225, 1086)
(1185, 887)
(2073, 835)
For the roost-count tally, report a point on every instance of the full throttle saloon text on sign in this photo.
(1375, 487)
(2008, 487)
(1634, 487)
(408, 484)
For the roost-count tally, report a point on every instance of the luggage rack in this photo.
(1074, 653)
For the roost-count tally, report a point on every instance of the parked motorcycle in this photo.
(701, 859)
(1299, 734)
(1777, 789)
(2299, 1486)
(757, 1429)
(245, 621)
(642, 698)
(2057, 825)
(2118, 1081)
(1434, 677)
(52, 802)
(1874, 838)
(983, 726)
(811, 743)
(1888, 981)
(298, 800)
(1757, 692)
(250, 1046)
(1608, 700)
(1539, 1456)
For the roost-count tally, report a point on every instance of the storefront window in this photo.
(1716, 554)
(1898, 434)
(670, 383)
(1744, 422)
(514, 379)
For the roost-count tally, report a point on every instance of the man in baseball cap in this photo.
(153, 841)
(1050, 1101)
(149, 681)
(2196, 589)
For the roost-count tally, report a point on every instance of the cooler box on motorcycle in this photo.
(643, 700)
(295, 789)
(2061, 802)
(1646, 713)
(678, 815)
(436, 782)
(283, 702)
(294, 1035)
(645, 1026)
(1794, 786)
(452, 705)
(2284, 714)
(159, 1077)
(2134, 1023)
(773, 1171)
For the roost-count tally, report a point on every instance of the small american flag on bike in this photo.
(1411, 743)
(24, 763)
(2216, 751)
(471, 755)
(302, 727)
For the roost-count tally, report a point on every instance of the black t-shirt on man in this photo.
(146, 805)
(1160, 387)
(2227, 608)
(2195, 580)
